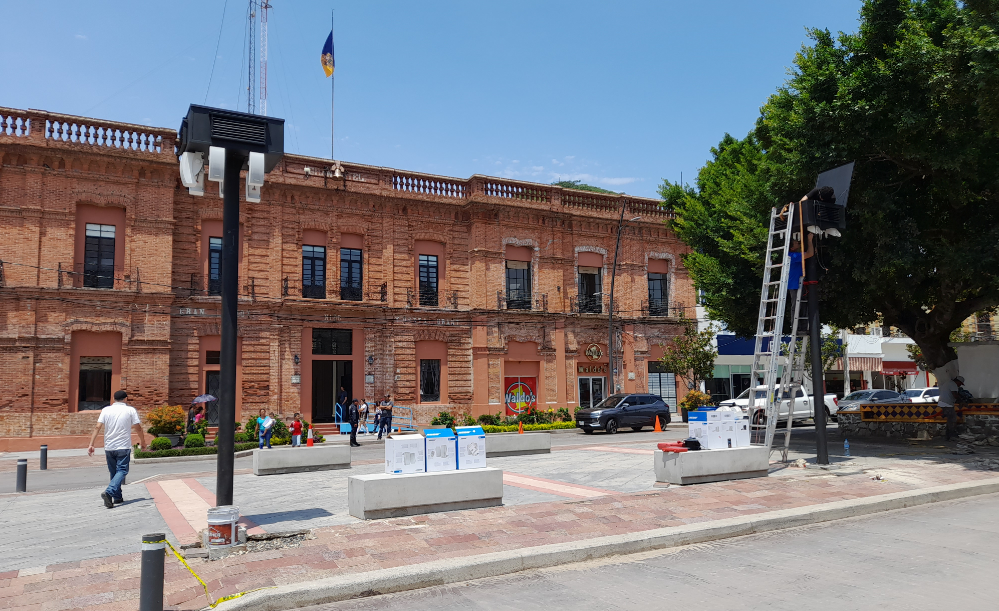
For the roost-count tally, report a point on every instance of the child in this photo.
(296, 431)
(363, 424)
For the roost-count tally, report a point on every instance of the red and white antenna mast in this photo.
(264, 6)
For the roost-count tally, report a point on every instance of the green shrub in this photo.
(563, 415)
(513, 428)
(189, 451)
(194, 440)
(166, 420)
(469, 421)
(160, 443)
(489, 419)
(280, 441)
(527, 416)
(443, 419)
(243, 438)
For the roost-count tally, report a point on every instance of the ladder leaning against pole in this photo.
(770, 357)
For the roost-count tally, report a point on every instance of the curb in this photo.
(442, 572)
(165, 459)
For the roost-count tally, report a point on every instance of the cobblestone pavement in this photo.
(70, 552)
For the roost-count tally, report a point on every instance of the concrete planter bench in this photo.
(297, 460)
(711, 465)
(515, 444)
(384, 495)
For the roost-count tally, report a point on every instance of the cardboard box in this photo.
(405, 454)
(697, 426)
(471, 448)
(742, 438)
(442, 450)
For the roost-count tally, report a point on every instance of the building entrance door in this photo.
(591, 391)
(327, 378)
(212, 388)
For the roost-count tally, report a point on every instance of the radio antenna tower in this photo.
(250, 97)
(264, 6)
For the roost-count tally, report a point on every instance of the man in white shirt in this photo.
(118, 420)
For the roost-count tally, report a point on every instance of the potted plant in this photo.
(693, 400)
(167, 421)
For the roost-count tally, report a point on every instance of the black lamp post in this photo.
(233, 141)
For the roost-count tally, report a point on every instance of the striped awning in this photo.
(860, 363)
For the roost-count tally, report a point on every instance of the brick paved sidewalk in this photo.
(112, 583)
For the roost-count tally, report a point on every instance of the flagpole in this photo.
(332, 88)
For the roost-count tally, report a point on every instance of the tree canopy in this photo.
(580, 186)
(913, 98)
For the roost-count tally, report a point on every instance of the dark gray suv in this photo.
(634, 411)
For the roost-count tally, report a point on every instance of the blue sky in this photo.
(617, 94)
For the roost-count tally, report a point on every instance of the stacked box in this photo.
(471, 448)
(442, 450)
(405, 454)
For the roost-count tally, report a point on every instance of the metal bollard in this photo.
(22, 475)
(43, 459)
(151, 580)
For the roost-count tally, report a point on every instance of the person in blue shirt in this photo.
(795, 257)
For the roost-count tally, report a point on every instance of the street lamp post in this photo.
(233, 141)
(610, 305)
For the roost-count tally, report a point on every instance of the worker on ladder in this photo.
(796, 260)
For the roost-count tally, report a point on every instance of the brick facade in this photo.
(63, 171)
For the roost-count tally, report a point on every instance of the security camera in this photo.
(216, 166)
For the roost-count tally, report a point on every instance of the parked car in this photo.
(802, 405)
(634, 411)
(872, 396)
(923, 395)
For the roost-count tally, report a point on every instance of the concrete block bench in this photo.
(296, 460)
(711, 465)
(515, 444)
(384, 495)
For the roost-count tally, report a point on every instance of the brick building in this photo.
(447, 293)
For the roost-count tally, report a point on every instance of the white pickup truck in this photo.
(802, 405)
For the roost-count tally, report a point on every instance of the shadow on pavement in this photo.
(296, 515)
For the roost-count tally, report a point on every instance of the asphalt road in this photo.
(940, 556)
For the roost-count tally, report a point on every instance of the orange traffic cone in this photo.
(659, 429)
(309, 441)
(520, 428)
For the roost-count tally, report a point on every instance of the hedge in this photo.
(511, 428)
(189, 451)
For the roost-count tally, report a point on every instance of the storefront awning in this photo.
(899, 368)
(860, 363)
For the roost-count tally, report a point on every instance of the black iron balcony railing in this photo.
(351, 293)
(587, 304)
(518, 299)
(661, 308)
(314, 291)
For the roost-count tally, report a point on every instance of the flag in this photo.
(327, 57)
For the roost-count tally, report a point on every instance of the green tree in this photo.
(580, 186)
(913, 98)
(691, 356)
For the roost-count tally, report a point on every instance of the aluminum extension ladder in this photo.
(770, 355)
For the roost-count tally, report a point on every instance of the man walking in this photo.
(946, 400)
(354, 416)
(118, 420)
(385, 423)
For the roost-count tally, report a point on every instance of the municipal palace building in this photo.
(461, 295)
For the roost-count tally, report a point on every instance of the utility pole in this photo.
(251, 99)
(610, 307)
(264, 7)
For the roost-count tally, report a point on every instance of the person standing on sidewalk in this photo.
(946, 400)
(385, 423)
(296, 431)
(118, 420)
(353, 416)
